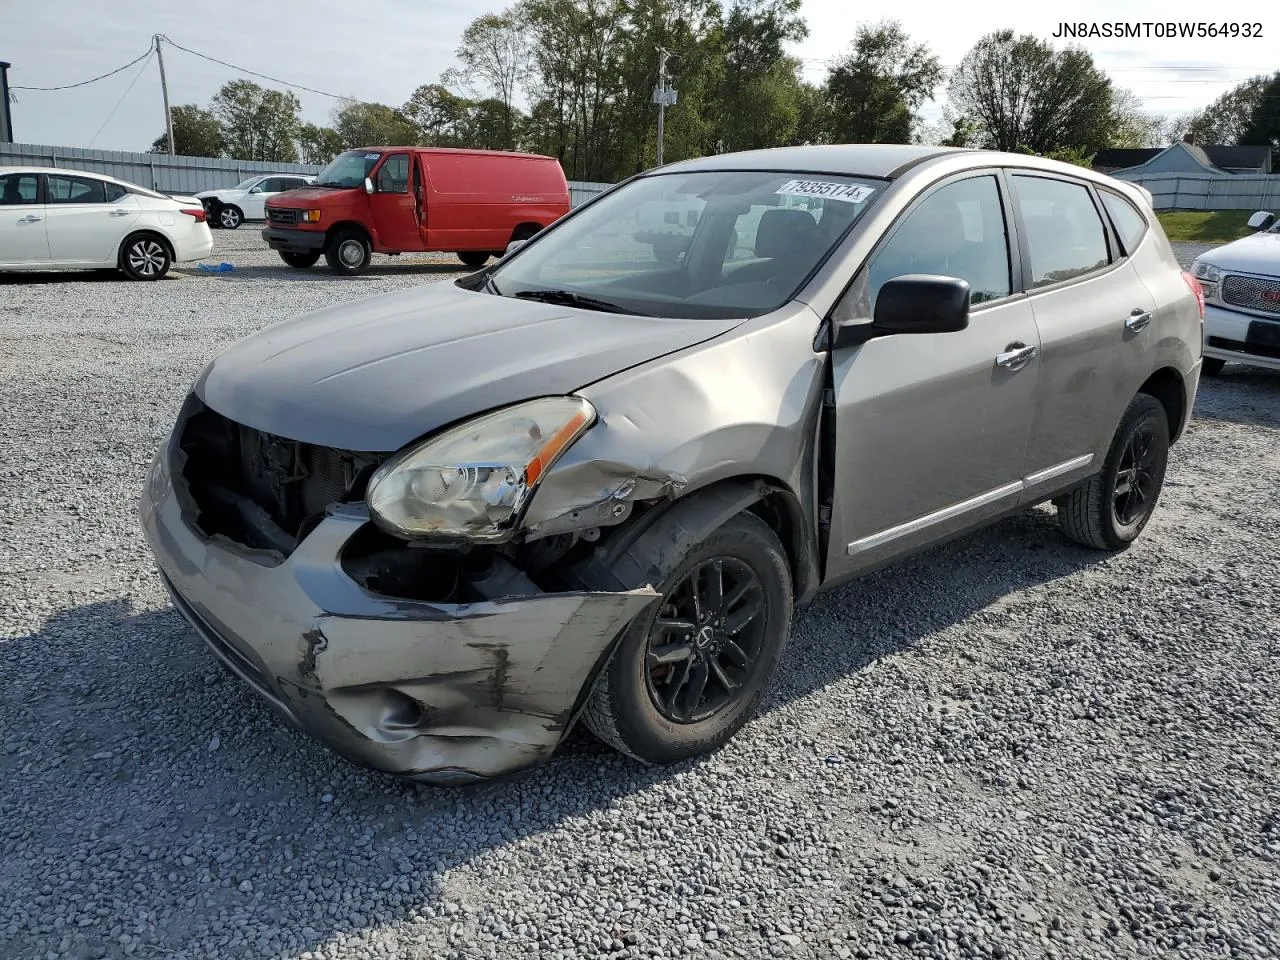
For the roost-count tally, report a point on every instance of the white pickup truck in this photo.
(1241, 282)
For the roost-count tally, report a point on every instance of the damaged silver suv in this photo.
(438, 527)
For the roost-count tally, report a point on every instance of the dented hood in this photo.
(376, 374)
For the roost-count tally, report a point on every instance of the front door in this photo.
(87, 218)
(393, 206)
(932, 429)
(23, 240)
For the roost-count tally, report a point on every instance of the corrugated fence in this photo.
(1172, 191)
(184, 175)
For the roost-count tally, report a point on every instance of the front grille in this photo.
(259, 490)
(1252, 293)
(282, 216)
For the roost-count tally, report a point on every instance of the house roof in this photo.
(1124, 157)
(1213, 158)
(1252, 157)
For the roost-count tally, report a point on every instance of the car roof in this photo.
(882, 160)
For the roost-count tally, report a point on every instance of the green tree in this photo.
(874, 91)
(1019, 91)
(318, 144)
(1131, 125)
(257, 124)
(1264, 118)
(372, 124)
(196, 133)
(494, 54)
(438, 115)
(1225, 120)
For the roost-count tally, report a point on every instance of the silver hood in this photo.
(376, 374)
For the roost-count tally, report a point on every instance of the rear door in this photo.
(1093, 314)
(393, 207)
(87, 218)
(23, 240)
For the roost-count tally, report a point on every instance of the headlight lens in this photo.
(1207, 271)
(472, 481)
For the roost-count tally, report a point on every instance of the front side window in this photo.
(1128, 222)
(710, 244)
(393, 177)
(270, 185)
(19, 188)
(1065, 238)
(348, 169)
(76, 190)
(958, 231)
(245, 184)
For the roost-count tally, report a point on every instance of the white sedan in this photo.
(1241, 283)
(56, 219)
(229, 207)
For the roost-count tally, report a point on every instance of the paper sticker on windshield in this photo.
(372, 156)
(848, 192)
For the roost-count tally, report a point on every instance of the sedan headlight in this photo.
(472, 481)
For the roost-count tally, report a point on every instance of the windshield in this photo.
(246, 184)
(347, 170)
(714, 244)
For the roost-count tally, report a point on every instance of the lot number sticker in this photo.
(848, 192)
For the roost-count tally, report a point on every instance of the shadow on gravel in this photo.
(1240, 394)
(167, 783)
(105, 275)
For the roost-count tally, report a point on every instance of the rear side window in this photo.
(1129, 223)
(1065, 237)
(76, 190)
(114, 191)
(19, 188)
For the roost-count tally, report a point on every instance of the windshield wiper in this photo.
(570, 299)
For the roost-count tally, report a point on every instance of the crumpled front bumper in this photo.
(441, 693)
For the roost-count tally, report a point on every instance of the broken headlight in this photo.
(472, 481)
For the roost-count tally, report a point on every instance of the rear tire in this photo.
(230, 217)
(145, 257)
(687, 675)
(474, 258)
(1110, 510)
(300, 261)
(1211, 366)
(348, 253)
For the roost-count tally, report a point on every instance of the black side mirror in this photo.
(915, 303)
(1262, 220)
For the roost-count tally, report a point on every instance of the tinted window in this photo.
(1127, 221)
(959, 231)
(394, 175)
(76, 190)
(19, 188)
(270, 185)
(1064, 235)
(113, 191)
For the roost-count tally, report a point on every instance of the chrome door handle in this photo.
(1015, 356)
(30, 218)
(119, 213)
(1138, 320)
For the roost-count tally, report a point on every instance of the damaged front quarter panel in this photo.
(595, 493)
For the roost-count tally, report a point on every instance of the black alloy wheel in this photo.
(1138, 476)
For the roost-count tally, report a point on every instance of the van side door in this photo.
(392, 207)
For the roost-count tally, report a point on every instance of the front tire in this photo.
(1111, 509)
(688, 675)
(230, 217)
(300, 261)
(474, 258)
(348, 253)
(1211, 366)
(145, 257)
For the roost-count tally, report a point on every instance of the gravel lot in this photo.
(1009, 747)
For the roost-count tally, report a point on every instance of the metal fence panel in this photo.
(1171, 191)
(185, 175)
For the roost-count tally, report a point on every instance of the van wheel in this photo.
(474, 258)
(1110, 510)
(348, 252)
(686, 676)
(300, 260)
(230, 217)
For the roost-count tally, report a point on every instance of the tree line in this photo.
(574, 79)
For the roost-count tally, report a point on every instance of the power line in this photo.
(262, 76)
(122, 97)
(83, 83)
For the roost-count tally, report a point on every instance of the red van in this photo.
(415, 199)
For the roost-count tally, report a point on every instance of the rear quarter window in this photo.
(1128, 222)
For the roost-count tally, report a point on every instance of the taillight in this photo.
(197, 212)
(1198, 290)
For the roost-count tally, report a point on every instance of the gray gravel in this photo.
(1009, 747)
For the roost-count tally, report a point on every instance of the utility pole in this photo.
(164, 90)
(662, 96)
(6, 117)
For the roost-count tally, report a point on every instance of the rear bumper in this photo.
(436, 692)
(293, 241)
(1224, 337)
(196, 245)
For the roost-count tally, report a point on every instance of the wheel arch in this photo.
(147, 232)
(1168, 386)
(526, 229)
(350, 225)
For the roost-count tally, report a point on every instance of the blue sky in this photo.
(382, 49)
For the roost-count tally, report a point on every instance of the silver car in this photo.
(438, 527)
